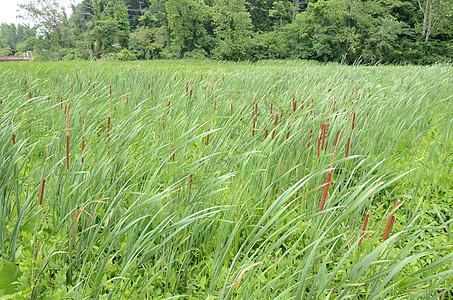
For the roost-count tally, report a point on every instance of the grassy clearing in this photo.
(233, 181)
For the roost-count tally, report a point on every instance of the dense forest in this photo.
(350, 31)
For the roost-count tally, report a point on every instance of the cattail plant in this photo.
(365, 222)
(347, 146)
(353, 121)
(319, 145)
(325, 191)
(190, 182)
(336, 138)
(389, 224)
(83, 136)
(108, 123)
(67, 137)
(275, 125)
(323, 134)
(309, 138)
(41, 193)
(12, 128)
(173, 154)
(287, 134)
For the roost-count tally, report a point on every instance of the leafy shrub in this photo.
(196, 54)
(125, 55)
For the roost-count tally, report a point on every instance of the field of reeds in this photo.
(211, 180)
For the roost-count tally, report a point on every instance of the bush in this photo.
(269, 45)
(125, 55)
(196, 54)
(68, 57)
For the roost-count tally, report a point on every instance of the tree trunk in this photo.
(96, 50)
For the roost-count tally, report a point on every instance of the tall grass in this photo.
(164, 192)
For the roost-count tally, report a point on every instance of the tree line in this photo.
(364, 31)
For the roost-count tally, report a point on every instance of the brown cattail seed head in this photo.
(347, 146)
(365, 222)
(190, 182)
(325, 191)
(41, 194)
(389, 224)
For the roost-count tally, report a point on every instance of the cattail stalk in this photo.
(275, 125)
(365, 222)
(190, 182)
(309, 139)
(323, 130)
(12, 128)
(83, 135)
(353, 120)
(347, 146)
(336, 138)
(67, 136)
(319, 144)
(389, 224)
(287, 135)
(108, 129)
(41, 194)
(325, 191)
(173, 155)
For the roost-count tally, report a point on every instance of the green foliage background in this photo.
(348, 31)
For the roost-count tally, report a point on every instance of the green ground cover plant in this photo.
(212, 180)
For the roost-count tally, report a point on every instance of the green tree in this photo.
(281, 10)
(51, 20)
(187, 21)
(11, 35)
(233, 29)
(121, 16)
(147, 43)
(436, 16)
(104, 35)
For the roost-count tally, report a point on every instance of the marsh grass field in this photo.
(214, 180)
